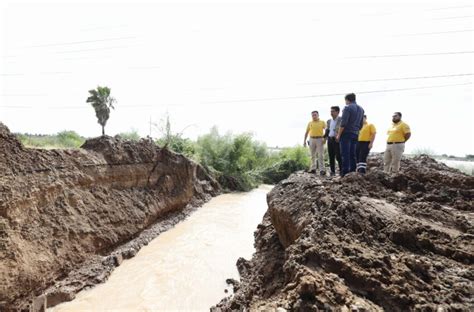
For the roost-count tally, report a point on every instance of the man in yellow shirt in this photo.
(398, 134)
(315, 130)
(364, 144)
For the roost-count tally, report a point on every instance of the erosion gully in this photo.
(185, 268)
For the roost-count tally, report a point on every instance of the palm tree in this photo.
(102, 102)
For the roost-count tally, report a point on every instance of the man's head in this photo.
(335, 111)
(350, 98)
(315, 115)
(365, 118)
(396, 117)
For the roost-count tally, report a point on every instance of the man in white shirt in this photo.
(332, 129)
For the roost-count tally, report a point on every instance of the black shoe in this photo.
(311, 171)
(322, 173)
(332, 174)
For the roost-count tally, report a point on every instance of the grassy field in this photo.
(64, 139)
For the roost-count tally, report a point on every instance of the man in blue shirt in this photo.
(351, 123)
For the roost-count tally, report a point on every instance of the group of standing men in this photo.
(350, 138)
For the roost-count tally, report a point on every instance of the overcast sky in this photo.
(246, 66)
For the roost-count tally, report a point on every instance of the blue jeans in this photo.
(348, 144)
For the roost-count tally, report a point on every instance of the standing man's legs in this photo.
(312, 148)
(332, 154)
(358, 155)
(345, 145)
(363, 148)
(397, 152)
(337, 148)
(320, 154)
(353, 156)
(387, 158)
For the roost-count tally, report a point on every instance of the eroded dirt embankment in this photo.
(61, 209)
(373, 242)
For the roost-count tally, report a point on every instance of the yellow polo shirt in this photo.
(366, 133)
(397, 132)
(316, 128)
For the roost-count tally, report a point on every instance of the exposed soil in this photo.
(68, 217)
(364, 243)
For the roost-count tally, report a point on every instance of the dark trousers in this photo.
(362, 153)
(348, 145)
(334, 154)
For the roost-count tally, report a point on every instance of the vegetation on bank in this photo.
(63, 139)
(238, 161)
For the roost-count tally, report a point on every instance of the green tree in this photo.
(102, 102)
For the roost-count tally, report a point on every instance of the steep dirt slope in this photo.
(367, 243)
(60, 208)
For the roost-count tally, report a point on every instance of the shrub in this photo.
(286, 162)
(179, 144)
(235, 159)
(132, 135)
(423, 151)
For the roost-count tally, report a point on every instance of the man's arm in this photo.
(406, 132)
(326, 133)
(372, 139)
(344, 120)
(345, 116)
(361, 125)
(338, 136)
(305, 137)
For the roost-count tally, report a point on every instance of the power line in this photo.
(404, 55)
(11, 106)
(79, 42)
(22, 95)
(395, 12)
(388, 79)
(453, 7)
(93, 49)
(102, 28)
(334, 94)
(70, 107)
(452, 17)
(55, 73)
(268, 99)
(434, 33)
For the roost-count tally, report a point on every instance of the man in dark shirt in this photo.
(351, 123)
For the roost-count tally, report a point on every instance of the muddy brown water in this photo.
(185, 268)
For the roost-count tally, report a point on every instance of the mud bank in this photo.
(67, 217)
(364, 243)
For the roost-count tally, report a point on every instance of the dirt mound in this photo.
(62, 212)
(373, 242)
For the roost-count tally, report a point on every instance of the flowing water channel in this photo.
(185, 268)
